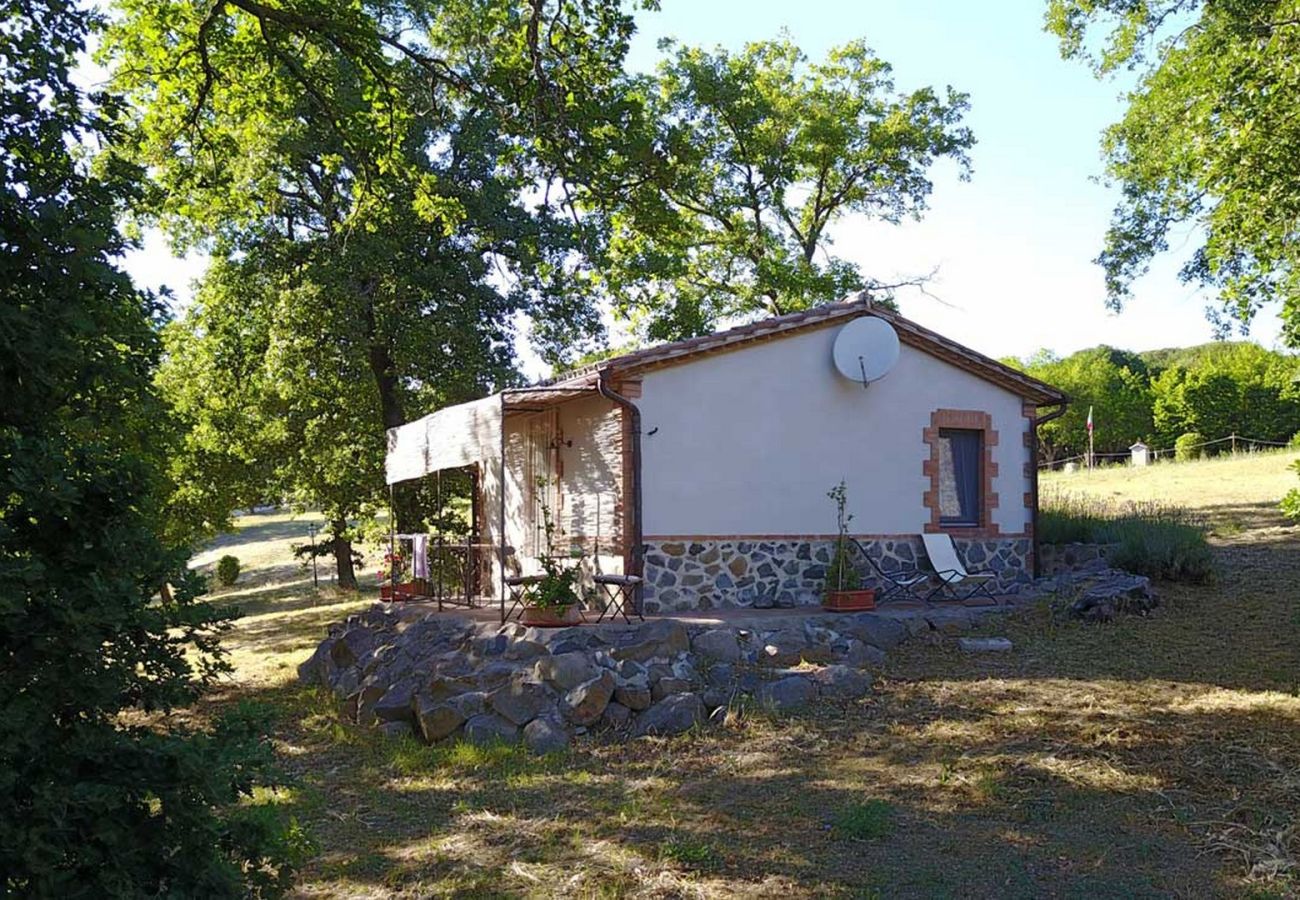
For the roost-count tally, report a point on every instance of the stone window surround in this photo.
(972, 420)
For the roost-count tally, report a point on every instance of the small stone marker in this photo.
(984, 645)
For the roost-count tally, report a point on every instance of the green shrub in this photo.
(228, 570)
(1153, 539)
(863, 821)
(688, 851)
(1294, 443)
(1168, 550)
(1188, 446)
(1290, 504)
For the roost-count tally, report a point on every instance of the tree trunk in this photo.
(342, 548)
(384, 370)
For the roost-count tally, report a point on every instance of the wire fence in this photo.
(1249, 443)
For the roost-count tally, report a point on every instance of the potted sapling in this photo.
(553, 600)
(844, 591)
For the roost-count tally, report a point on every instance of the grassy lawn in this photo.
(1151, 757)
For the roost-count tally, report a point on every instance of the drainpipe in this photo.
(633, 490)
(1033, 453)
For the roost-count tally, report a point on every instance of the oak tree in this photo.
(749, 160)
(1206, 146)
(384, 189)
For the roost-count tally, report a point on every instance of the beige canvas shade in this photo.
(448, 439)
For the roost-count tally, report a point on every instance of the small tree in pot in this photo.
(844, 589)
(554, 599)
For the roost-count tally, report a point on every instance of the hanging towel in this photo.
(420, 556)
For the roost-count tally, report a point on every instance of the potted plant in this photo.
(393, 580)
(844, 591)
(553, 600)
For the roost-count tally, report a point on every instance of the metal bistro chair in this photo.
(620, 592)
(517, 587)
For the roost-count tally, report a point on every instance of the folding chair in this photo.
(952, 573)
(901, 584)
(620, 590)
(519, 587)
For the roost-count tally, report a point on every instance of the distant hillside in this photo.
(1189, 357)
(1210, 390)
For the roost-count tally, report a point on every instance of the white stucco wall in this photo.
(748, 442)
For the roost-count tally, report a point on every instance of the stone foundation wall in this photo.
(708, 574)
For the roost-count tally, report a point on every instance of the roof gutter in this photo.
(1061, 406)
(632, 560)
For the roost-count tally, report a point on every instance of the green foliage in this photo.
(1294, 442)
(688, 851)
(1217, 389)
(383, 189)
(228, 570)
(747, 160)
(1290, 504)
(1189, 446)
(1223, 389)
(1113, 383)
(558, 589)
(841, 575)
(1153, 539)
(99, 795)
(1206, 145)
(864, 821)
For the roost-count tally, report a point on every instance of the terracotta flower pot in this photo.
(403, 590)
(551, 618)
(850, 601)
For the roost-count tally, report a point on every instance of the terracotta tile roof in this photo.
(909, 333)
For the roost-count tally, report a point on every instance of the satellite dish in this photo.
(865, 350)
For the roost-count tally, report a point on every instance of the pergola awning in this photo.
(448, 439)
(464, 434)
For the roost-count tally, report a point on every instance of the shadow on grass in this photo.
(1020, 812)
(1094, 761)
(289, 597)
(262, 528)
(1232, 519)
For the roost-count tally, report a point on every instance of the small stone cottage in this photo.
(704, 465)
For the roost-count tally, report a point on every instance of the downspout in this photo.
(633, 490)
(501, 510)
(1033, 453)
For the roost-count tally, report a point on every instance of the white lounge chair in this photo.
(951, 572)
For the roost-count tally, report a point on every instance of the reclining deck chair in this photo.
(898, 584)
(952, 574)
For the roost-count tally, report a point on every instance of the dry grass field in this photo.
(1151, 757)
(1234, 492)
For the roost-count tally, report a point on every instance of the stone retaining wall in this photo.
(708, 574)
(442, 677)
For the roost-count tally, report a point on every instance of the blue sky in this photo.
(1014, 245)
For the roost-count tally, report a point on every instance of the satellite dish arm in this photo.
(862, 364)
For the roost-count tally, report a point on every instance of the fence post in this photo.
(1233, 438)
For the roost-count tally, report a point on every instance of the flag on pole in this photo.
(1090, 457)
